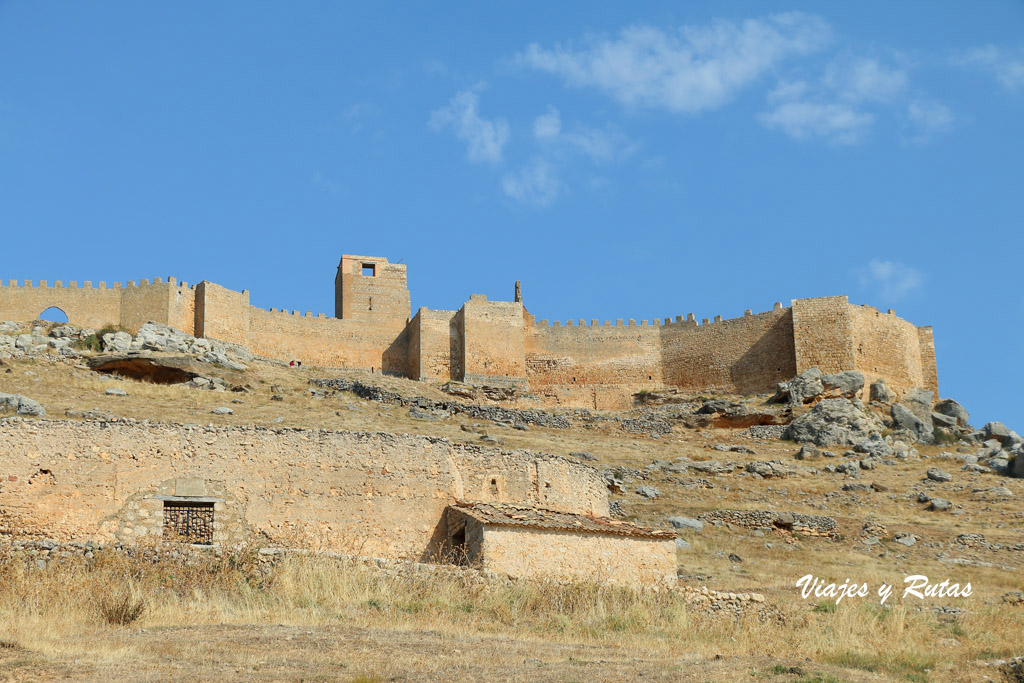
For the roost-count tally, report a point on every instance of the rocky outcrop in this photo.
(835, 422)
(803, 388)
(907, 420)
(951, 408)
(881, 393)
(844, 384)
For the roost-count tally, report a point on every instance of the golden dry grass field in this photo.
(316, 619)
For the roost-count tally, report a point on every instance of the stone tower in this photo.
(369, 289)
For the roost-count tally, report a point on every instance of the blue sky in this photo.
(624, 160)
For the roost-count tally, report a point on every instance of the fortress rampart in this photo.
(579, 363)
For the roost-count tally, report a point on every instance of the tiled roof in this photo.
(505, 514)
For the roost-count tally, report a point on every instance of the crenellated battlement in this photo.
(580, 361)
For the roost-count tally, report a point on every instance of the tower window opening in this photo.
(370, 269)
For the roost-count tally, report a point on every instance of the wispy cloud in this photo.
(1006, 65)
(599, 144)
(846, 101)
(690, 69)
(485, 139)
(892, 280)
(839, 122)
(534, 184)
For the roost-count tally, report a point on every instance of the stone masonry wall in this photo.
(487, 342)
(741, 355)
(886, 346)
(494, 347)
(370, 494)
(606, 558)
(823, 334)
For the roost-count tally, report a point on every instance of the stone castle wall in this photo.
(498, 342)
(370, 494)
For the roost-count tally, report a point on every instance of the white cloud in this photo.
(548, 126)
(484, 138)
(929, 117)
(1007, 66)
(533, 184)
(801, 119)
(865, 79)
(844, 104)
(891, 279)
(600, 145)
(688, 70)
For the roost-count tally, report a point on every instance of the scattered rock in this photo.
(415, 412)
(905, 539)
(687, 523)
(116, 391)
(802, 389)
(682, 544)
(223, 410)
(939, 504)
(935, 474)
(807, 452)
(22, 405)
(117, 342)
(582, 455)
(648, 492)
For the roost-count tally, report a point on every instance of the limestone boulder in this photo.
(846, 384)
(802, 389)
(24, 342)
(22, 405)
(156, 337)
(834, 422)
(994, 430)
(881, 392)
(919, 401)
(117, 342)
(952, 409)
(1017, 467)
(909, 422)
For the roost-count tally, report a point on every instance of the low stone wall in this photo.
(365, 493)
(565, 555)
(808, 525)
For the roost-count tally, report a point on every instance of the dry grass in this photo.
(51, 612)
(577, 632)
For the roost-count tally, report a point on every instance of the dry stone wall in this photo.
(364, 493)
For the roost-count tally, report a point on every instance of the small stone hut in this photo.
(520, 540)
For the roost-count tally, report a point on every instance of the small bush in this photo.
(121, 610)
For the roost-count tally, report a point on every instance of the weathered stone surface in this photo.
(906, 419)
(803, 388)
(117, 342)
(846, 384)
(686, 523)
(996, 430)
(222, 410)
(935, 474)
(951, 408)
(1017, 467)
(807, 452)
(881, 392)
(116, 391)
(24, 342)
(834, 421)
(939, 504)
(648, 492)
(944, 421)
(875, 445)
(919, 401)
(22, 405)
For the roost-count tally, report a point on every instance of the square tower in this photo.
(370, 289)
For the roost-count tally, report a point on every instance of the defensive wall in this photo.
(381, 495)
(578, 363)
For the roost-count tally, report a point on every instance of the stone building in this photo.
(591, 364)
(377, 495)
(519, 540)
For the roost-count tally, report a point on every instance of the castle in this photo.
(594, 365)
